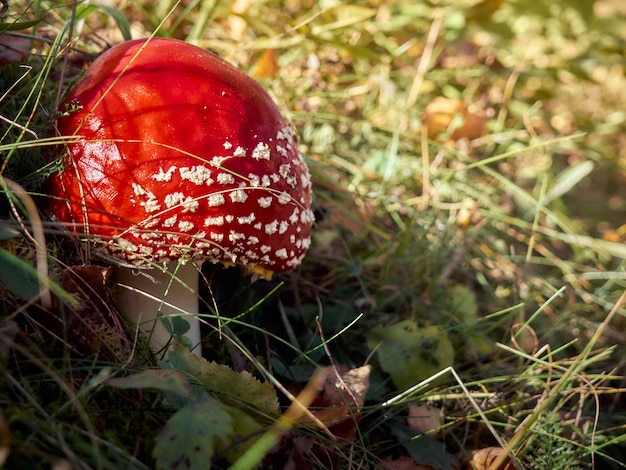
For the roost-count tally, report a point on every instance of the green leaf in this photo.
(22, 279)
(171, 381)
(247, 431)
(166, 322)
(235, 388)
(19, 25)
(19, 277)
(191, 437)
(462, 302)
(424, 450)
(122, 23)
(410, 353)
(180, 326)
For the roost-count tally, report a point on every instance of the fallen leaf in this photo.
(410, 353)
(339, 400)
(5, 439)
(13, 49)
(234, 432)
(246, 431)
(291, 454)
(459, 55)
(267, 65)
(524, 338)
(453, 117)
(233, 387)
(424, 418)
(611, 236)
(483, 459)
(336, 395)
(427, 451)
(403, 463)
(192, 436)
(172, 382)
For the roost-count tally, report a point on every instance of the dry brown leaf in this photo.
(483, 459)
(291, 454)
(267, 65)
(525, 340)
(425, 418)
(468, 214)
(13, 49)
(440, 114)
(617, 236)
(5, 439)
(335, 396)
(403, 463)
(339, 401)
(459, 55)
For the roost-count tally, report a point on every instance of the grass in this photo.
(497, 228)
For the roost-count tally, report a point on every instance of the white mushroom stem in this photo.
(173, 291)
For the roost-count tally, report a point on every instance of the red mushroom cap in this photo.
(178, 154)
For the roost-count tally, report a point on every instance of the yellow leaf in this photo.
(267, 65)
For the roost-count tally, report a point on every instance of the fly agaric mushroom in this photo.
(177, 157)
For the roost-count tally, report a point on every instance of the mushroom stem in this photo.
(172, 291)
